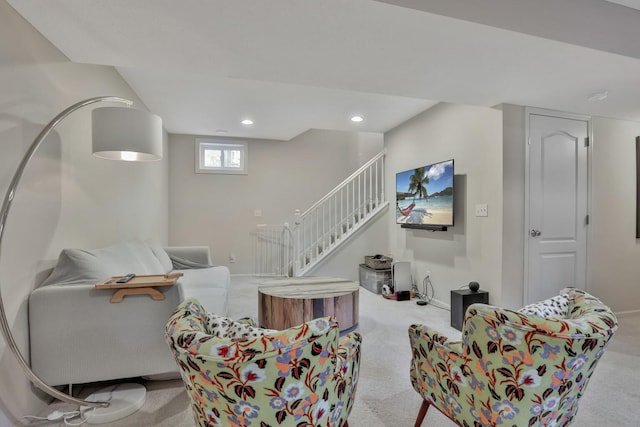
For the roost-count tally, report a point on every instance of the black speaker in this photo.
(461, 299)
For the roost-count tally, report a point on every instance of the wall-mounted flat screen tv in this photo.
(424, 196)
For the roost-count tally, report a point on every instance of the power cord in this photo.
(425, 298)
(81, 414)
(54, 416)
(66, 417)
(58, 416)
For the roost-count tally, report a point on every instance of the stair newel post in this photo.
(369, 207)
(382, 197)
(377, 181)
(297, 243)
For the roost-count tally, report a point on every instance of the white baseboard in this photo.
(440, 304)
(626, 313)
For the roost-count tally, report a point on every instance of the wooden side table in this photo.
(285, 303)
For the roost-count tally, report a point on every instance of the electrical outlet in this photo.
(482, 209)
(232, 257)
(257, 212)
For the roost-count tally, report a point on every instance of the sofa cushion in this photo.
(146, 260)
(556, 307)
(162, 256)
(81, 266)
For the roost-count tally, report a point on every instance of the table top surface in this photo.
(308, 287)
(467, 291)
(141, 281)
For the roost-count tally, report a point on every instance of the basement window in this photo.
(218, 156)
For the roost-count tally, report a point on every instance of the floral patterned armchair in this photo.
(303, 376)
(512, 368)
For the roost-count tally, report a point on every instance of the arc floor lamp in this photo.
(119, 133)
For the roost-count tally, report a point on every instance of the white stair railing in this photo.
(338, 215)
(273, 250)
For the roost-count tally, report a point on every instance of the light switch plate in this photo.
(482, 209)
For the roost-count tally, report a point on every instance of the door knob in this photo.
(535, 233)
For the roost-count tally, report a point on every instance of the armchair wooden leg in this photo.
(346, 424)
(423, 411)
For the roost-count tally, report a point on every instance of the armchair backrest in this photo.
(288, 377)
(529, 370)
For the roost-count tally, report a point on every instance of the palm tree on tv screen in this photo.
(418, 184)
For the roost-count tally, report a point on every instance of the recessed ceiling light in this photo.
(247, 122)
(598, 96)
(357, 119)
(222, 131)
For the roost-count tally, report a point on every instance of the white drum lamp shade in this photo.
(121, 133)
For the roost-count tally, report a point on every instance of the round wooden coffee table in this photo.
(284, 303)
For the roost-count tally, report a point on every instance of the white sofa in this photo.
(78, 336)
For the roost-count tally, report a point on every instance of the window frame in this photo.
(201, 144)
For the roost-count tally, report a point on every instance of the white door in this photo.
(557, 205)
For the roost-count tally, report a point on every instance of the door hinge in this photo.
(586, 142)
(586, 220)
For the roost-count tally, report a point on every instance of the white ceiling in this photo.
(293, 65)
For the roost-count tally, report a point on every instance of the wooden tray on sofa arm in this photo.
(139, 285)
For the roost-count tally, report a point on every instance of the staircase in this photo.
(337, 216)
(282, 250)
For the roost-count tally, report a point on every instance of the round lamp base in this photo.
(124, 400)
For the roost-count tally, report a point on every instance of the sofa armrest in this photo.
(197, 254)
(209, 285)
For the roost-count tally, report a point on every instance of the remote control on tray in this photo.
(126, 278)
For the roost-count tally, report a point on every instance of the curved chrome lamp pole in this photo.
(6, 205)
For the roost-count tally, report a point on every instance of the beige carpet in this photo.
(384, 396)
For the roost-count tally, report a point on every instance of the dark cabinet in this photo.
(461, 299)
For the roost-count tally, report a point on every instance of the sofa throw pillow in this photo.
(77, 267)
(162, 256)
(144, 259)
(83, 267)
(553, 308)
(180, 263)
(223, 327)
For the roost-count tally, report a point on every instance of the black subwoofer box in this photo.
(461, 299)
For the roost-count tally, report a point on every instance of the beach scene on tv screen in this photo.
(425, 195)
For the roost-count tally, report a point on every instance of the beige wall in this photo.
(67, 197)
(217, 210)
(472, 249)
(513, 181)
(614, 256)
